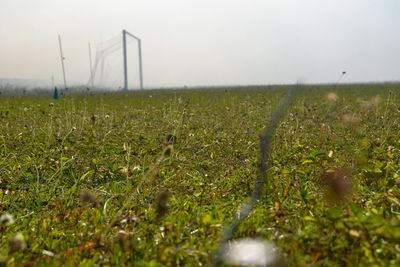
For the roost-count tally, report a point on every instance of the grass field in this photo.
(150, 178)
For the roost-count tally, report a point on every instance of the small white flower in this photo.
(250, 252)
(136, 168)
(107, 116)
(6, 219)
(194, 231)
(48, 253)
(122, 232)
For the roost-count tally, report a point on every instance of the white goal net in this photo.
(108, 64)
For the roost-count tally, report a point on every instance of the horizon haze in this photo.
(206, 43)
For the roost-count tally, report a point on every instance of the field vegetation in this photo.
(151, 178)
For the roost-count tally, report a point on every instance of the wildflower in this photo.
(350, 119)
(337, 182)
(375, 100)
(136, 168)
(161, 203)
(194, 231)
(354, 233)
(123, 239)
(250, 252)
(365, 104)
(91, 199)
(93, 118)
(48, 253)
(16, 243)
(6, 219)
(331, 97)
(129, 219)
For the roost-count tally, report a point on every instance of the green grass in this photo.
(150, 178)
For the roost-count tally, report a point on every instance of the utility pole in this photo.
(62, 62)
(90, 65)
(124, 33)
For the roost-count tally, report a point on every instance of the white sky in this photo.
(208, 42)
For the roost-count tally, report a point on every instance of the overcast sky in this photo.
(207, 42)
